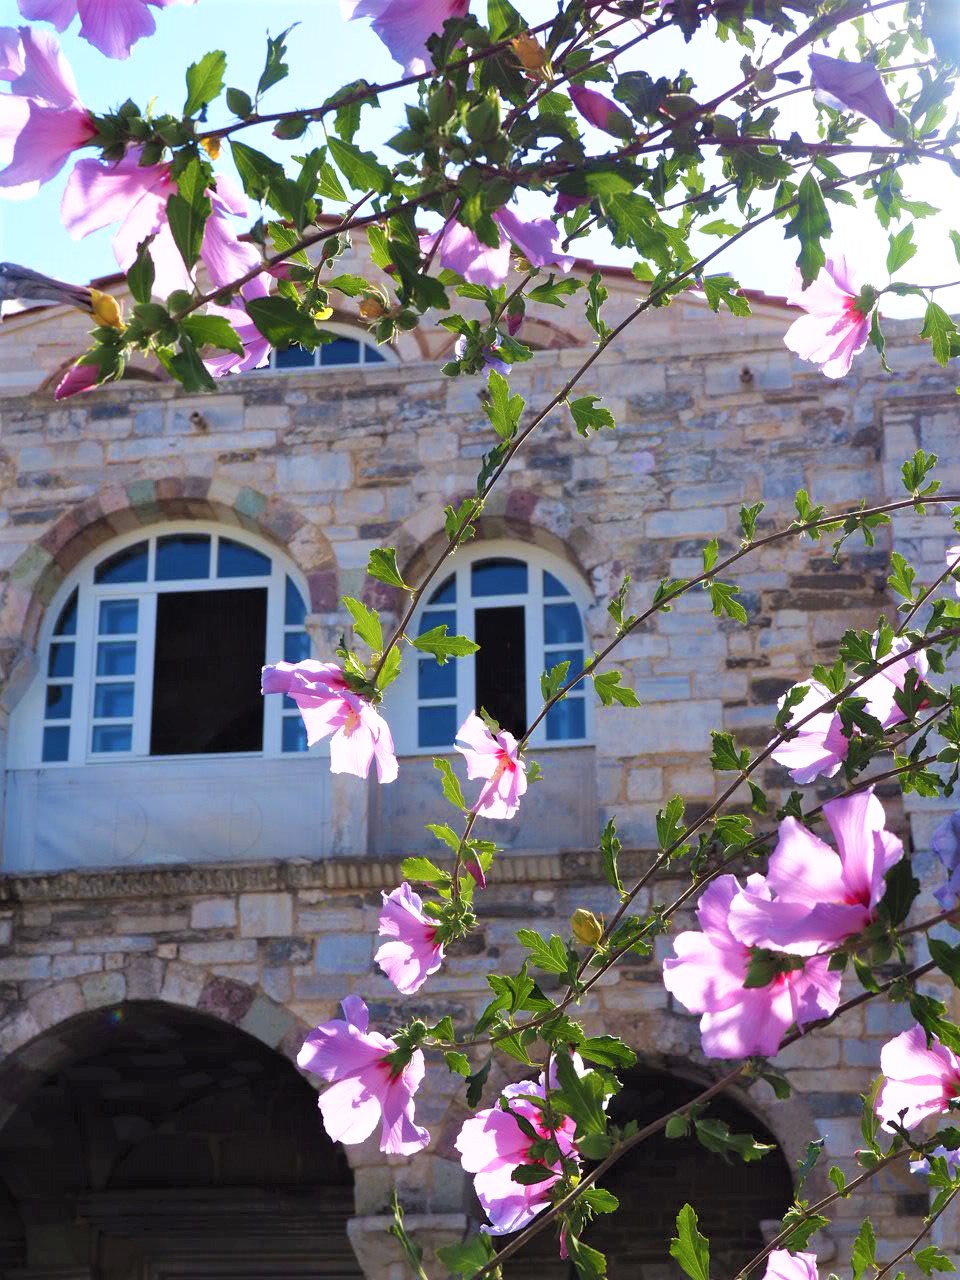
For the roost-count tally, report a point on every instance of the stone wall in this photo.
(327, 465)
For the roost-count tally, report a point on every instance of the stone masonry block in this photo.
(266, 915)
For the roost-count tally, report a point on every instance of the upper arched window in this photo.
(524, 608)
(348, 349)
(153, 647)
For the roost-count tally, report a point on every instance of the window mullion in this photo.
(84, 678)
(143, 678)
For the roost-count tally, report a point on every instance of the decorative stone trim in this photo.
(334, 874)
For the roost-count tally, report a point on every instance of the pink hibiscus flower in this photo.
(112, 26)
(42, 120)
(414, 953)
(600, 111)
(360, 736)
(404, 26)
(98, 194)
(365, 1088)
(920, 1081)
(835, 329)
(852, 86)
(880, 690)
(256, 348)
(537, 239)
(953, 559)
(492, 1144)
(818, 748)
(707, 973)
(494, 758)
(782, 1265)
(822, 896)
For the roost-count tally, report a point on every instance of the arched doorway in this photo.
(167, 1145)
(732, 1199)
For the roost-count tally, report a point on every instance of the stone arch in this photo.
(36, 576)
(183, 1133)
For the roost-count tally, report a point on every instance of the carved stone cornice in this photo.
(333, 874)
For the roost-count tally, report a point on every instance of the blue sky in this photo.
(327, 53)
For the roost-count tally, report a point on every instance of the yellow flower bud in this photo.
(532, 55)
(106, 309)
(212, 147)
(586, 928)
(371, 308)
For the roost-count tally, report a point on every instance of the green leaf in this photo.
(503, 19)
(689, 1248)
(423, 870)
(282, 323)
(382, 565)
(554, 291)
(864, 1249)
(726, 290)
(187, 212)
(529, 1175)
(469, 1257)
(607, 1051)
(710, 553)
(366, 623)
(811, 223)
(458, 1062)
(361, 169)
(142, 274)
(258, 172)
(390, 668)
(722, 601)
(240, 103)
(553, 681)
(451, 783)
(213, 331)
(589, 1262)
(442, 646)
(838, 1178)
(275, 69)
(551, 956)
(609, 690)
(189, 369)
(931, 1259)
(716, 1136)
(902, 249)
(902, 887)
(598, 296)
(582, 1097)
(946, 958)
(204, 81)
(806, 1166)
(940, 329)
(587, 416)
(725, 757)
(609, 854)
(501, 408)
(476, 1082)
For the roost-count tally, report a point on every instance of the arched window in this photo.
(349, 348)
(153, 648)
(524, 608)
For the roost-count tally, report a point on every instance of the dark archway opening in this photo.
(653, 1182)
(167, 1145)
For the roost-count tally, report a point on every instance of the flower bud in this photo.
(106, 309)
(371, 308)
(532, 55)
(586, 928)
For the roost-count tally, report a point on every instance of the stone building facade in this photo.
(171, 923)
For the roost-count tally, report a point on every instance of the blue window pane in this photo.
(373, 356)
(60, 662)
(436, 726)
(499, 578)
(573, 656)
(434, 681)
(431, 618)
(290, 704)
(294, 358)
(553, 586)
(116, 658)
(59, 701)
(56, 742)
(129, 565)
(67, 622)
(294, 734)
(113, 702)
(234, 560)
(561, 624)
(446, 593)
(296, 646)
(118, 617)
(340, 351)
(183, 555)
(294, 606)
(112, 737)
(567, 720)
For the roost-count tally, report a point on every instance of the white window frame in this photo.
(27, 720)
(342, 331)
(402, 704)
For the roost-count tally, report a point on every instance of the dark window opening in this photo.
(210, 647)
(501, 666)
